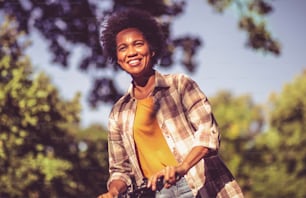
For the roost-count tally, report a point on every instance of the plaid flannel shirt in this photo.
(185, 117)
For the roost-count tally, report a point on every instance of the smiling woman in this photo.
(163, 127)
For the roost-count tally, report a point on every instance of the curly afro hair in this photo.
(131, 18)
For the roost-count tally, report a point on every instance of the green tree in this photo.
(279, 169)
(43, 152)
(31, 115)
(75, 22)
(90, 165)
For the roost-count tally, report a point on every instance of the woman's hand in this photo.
(170, 175)
(115, 187)
(112, 193)
(107, 195)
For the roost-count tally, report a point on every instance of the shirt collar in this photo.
(160, 82)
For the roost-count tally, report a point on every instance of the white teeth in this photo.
(133, 62)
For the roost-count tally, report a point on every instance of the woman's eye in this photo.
(139, 44)
(121, 48)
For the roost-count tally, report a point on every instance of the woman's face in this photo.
(133, 52)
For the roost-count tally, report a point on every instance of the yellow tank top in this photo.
(152, 149)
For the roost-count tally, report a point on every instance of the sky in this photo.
(224, 61)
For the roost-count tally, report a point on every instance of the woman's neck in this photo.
(143, 86)
(142, 81)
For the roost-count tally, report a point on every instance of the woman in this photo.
(163, 127)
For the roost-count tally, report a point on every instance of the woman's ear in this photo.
(152, 54)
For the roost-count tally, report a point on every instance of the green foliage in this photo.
(91, 163)
(270, 163)
(27, 106)
(43, 152)
(279, 169)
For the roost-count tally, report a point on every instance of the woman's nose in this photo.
(131, 51)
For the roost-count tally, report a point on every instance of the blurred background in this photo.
(56, 90)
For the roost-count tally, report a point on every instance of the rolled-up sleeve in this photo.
(199, 113)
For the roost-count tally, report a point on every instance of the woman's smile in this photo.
(134, 62)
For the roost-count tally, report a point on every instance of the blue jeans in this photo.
(179, 190)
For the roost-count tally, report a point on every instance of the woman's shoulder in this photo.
(175, 75)
(176, 78)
